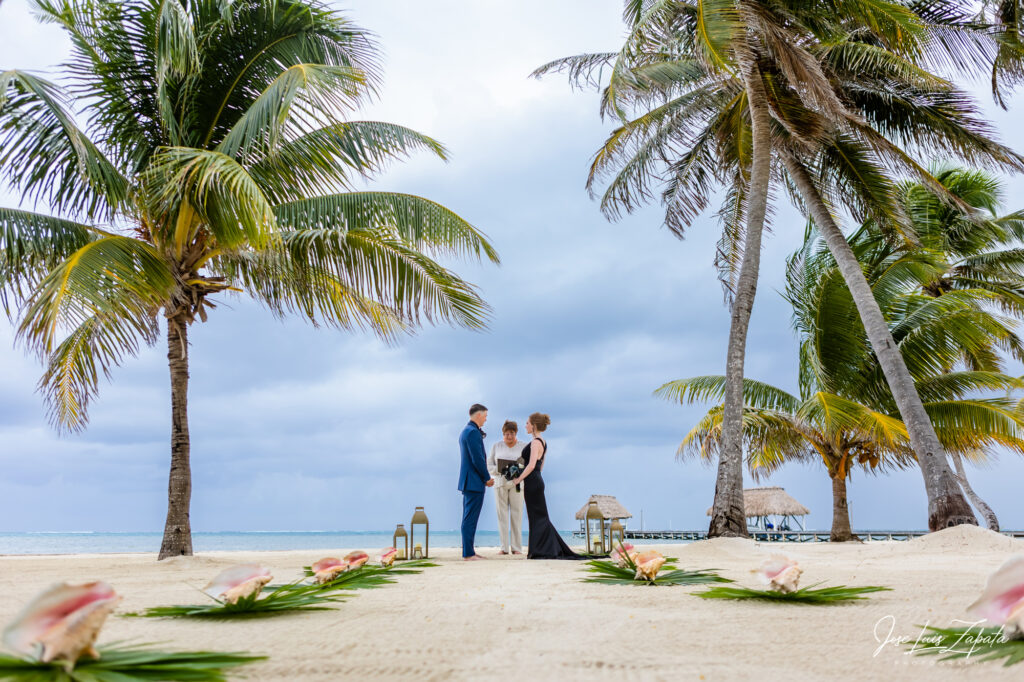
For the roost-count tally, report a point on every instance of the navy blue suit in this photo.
(473, 477)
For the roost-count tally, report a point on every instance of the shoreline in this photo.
(509, 618)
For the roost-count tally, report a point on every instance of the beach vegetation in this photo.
(295, 596)
(630, 567)
(128, 663)
(811, 594)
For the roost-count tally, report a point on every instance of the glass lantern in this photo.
(402, 550)
(419, 518)
(617, 534)
(595, 525)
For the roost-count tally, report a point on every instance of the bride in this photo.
(544, 541)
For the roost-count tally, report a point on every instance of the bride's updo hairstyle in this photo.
(539, 421)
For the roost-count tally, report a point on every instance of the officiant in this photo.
(509, 500)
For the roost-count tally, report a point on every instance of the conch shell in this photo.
(238, 582)
(356, 559)
(781, 573)
(62, 623)
(326, 570)
(1002, 602)
(648, 564)
(623, 554)
(387, 556)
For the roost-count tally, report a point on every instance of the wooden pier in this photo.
(785, 535)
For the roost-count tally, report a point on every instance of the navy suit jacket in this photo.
(473, 474)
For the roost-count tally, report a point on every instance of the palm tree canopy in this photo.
(847, 79)
(218, 154)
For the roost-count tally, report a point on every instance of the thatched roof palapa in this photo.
(608, 505)
(770, 501)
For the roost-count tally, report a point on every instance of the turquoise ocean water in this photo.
(89, 542)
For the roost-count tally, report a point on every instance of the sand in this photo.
(508, 618)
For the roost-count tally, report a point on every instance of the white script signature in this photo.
(968, 641)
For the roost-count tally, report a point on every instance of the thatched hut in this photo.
(612, 511)
(763, 504)
(610, 508)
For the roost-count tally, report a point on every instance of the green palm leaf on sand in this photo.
(369, 577)
(291, 597)
(807, 595)
(121, 663)
(611, 573)
(970, 643)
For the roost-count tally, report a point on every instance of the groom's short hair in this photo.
(477, 407)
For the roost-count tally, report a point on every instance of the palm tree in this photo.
(979, 253)
(218, 157)
(845, 414)
(843, 434)
(699, 60)
(1006, 18)
(695, 125)
(934, 335)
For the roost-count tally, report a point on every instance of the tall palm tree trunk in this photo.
(986, 511)
(946, 503)
(178, 530)
(728, 517)
(841, 531)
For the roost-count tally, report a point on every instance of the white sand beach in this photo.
(508, 618)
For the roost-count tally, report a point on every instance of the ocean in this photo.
(90, 542)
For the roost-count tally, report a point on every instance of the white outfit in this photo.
(510, 502)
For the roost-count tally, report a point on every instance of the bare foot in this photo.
(475, 557)
(502, 552)
(517, 552)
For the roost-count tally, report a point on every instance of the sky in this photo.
(299, 428)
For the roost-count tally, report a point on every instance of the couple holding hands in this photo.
(519, 470)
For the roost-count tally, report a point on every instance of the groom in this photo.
(473, 477)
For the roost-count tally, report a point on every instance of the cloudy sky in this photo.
(301, 428)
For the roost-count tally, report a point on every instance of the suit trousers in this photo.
(510, 512)
(472, 503)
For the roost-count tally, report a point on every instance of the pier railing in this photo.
(786, 535)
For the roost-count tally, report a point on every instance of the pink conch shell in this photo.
(326, 570)
(648, 564)
(387, 556)
(781, 573)
(356, 559)
(63, 622)
(237, 582)
(1002, 602)
(623, 554)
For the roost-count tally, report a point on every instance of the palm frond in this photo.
(609, 573)
(712, 387)
(323, 160)
(317, 294)
(286, 598)
(99, 344)
(302, 99)
(32, 244)
(423, 224)
(370, 577)
(230, 202)
(122, 279)
(45, 155)
(127, 663)
(805, 595)
(583, 70)
(977, 644)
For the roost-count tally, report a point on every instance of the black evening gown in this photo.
(544, 540)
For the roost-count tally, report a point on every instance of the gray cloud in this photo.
(301, 428)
